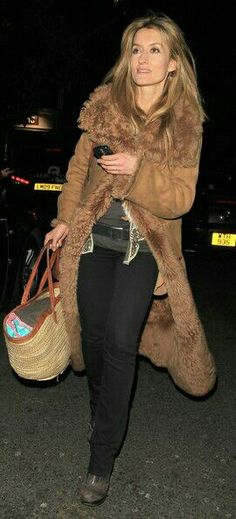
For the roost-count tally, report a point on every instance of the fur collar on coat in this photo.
(173, 336)
(104, 123)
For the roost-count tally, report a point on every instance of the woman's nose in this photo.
(143, 57)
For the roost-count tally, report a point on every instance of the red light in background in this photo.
(55, 150)
(226, 202)
(20, 180)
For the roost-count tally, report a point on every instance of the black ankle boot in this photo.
(94, 490)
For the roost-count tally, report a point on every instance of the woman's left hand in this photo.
(119, 163)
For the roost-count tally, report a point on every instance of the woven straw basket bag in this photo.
(43, 352)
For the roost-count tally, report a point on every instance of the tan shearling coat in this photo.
(154, 199)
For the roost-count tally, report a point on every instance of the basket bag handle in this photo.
(46, 277)
(54, 260)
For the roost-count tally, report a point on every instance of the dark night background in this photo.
(178, 459)
(53, 55)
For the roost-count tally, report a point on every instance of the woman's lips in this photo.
(143, 71)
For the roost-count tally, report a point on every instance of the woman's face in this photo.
(150, 60)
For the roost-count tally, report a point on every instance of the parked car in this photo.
(22, 230)
(210, 226)
(28, 199)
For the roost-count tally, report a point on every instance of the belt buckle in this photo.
(117, 233)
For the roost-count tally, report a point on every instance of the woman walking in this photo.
(119, 221)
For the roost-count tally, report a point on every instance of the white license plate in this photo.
(47, 187)
(223, 239)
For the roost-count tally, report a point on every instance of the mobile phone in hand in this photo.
(98, 151)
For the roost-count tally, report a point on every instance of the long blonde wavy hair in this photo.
(179, 85)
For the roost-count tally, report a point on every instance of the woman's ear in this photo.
(172, 65)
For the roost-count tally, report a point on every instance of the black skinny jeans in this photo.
(113, 300)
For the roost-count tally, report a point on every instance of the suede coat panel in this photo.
(173, 336)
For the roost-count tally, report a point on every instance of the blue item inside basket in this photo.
(15, 327)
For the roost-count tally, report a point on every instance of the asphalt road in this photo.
(178, 460)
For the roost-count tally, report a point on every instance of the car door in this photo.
(4, 250)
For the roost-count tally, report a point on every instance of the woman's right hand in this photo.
(56, 236)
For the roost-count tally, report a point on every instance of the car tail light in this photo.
(54, 150)
(19, 180)
(227, 202)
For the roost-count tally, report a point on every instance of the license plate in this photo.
(223, 240)
(48, 187)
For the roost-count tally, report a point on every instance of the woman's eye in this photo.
(153, 50)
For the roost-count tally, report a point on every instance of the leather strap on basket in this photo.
(54, 259)
(47, 277)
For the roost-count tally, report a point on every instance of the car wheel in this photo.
(27, 261)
